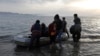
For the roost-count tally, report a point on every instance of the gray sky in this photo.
(51, 7)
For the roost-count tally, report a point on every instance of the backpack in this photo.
(75, 29)
(52, 29)
(72, 29)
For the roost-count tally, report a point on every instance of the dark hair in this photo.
(43, 24)
(56, 16)
(63, 18)
(75, 15)
(37, 21)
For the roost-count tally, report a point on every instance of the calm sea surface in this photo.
(19, 24)
(13, 25)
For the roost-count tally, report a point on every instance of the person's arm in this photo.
(32, 28)
(67, 30)
(67, 33)
(80, 20)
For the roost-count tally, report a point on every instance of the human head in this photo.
(37, 21)
(56, 17)
(42, 24)
(63, 18)
(75, 15)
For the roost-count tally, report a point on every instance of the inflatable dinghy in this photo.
(24, 40)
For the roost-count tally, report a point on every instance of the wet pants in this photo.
(76, 37)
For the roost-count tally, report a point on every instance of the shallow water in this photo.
(68, 49)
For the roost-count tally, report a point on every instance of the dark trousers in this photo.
(52, 39)
(35, 39)
(76, 37)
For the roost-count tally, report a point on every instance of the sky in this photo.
(52, 7)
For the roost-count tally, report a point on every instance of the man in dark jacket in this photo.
(77, 19)
(58, 22)
(59, 31)
(36, 33)
(77, 28)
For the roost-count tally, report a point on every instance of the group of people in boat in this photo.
(54, 30)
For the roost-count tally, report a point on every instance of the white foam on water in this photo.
(89, 40)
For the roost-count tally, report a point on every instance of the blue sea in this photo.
(13, 25)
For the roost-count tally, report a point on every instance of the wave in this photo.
(5, 36)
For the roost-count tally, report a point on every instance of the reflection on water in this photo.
(38, 52)
(43, 51)
(76, 49)
(56, 51)
(64, 50)
(68, 49)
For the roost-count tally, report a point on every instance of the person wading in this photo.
(76, 29)
(36, 33)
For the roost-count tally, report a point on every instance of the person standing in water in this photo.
(59, 31)
(36, 33)
(76, 29)
(52, 33)
(64, 26)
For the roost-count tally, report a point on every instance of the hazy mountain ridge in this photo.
(11, 13)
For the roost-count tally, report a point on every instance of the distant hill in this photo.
(10, 13)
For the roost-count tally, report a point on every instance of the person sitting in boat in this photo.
(44, 32)
(64, 25)
(52, 33)
(76, 29)
(36, 33)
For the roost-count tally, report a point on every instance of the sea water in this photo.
(13, 25)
